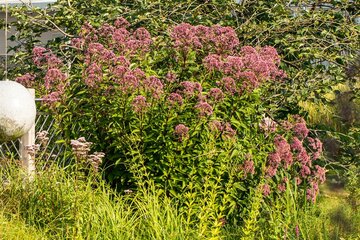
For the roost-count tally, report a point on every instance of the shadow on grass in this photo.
(344, 221)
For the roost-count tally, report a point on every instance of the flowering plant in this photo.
(184, 111)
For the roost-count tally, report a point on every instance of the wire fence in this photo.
(52, 150)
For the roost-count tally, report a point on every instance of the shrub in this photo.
(185, 112)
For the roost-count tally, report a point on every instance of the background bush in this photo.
(185, 112)
(316, 41)
(216, 177)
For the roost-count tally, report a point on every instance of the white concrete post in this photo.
(28, 139)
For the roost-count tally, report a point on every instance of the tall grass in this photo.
(64, 204)
(12, 228)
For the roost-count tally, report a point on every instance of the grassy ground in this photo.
(342, 219)
(58, 205)
(14, 228)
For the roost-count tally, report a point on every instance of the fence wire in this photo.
(50, 152)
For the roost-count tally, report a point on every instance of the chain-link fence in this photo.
(52, 150)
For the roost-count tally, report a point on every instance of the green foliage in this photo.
(339, 217)
(202, 170)
(185, 112)
(316, 40)
(251, 222)
(16, 229)
(353, 183)
(306, 34)
(60, 206)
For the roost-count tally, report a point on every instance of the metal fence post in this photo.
(28, 139)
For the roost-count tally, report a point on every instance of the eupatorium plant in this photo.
(183, 111)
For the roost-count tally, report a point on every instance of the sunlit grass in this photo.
(341, 218)
(60, 204)
(320, 113)
(12, 228)
(327, 113)
(65, 205)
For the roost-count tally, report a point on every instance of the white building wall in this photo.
(31, 3)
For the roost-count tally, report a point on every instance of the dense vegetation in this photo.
(201, 109)
(317, 42)
(60, 205)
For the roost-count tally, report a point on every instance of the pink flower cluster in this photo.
(320, 173)
(26, 80)
(282, 187)
(107, 51)
(218, 39)
(54, 77)
(44, 57)
(297, 156)
(191, 89)
(116, 37)
(121, 23)
(181, 131)
(300, 129)
(55, 84)
(216, 126)
(154, 86)
(128, 81)
(284, 151)
(312, 192)
(282, 154)
(124, 78)
(175, 99)
(88, 33)
(247, 70)
(216, 95)
(139, 104)
(224, 129)
(97, 52)
(171, 77)
(39, 55)
(204, 109)
(93, 75)
(52, 97)
(316, 147)
(266, 190)
(81, 149)
(55, 80)
(77, 43)
(248, 167)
